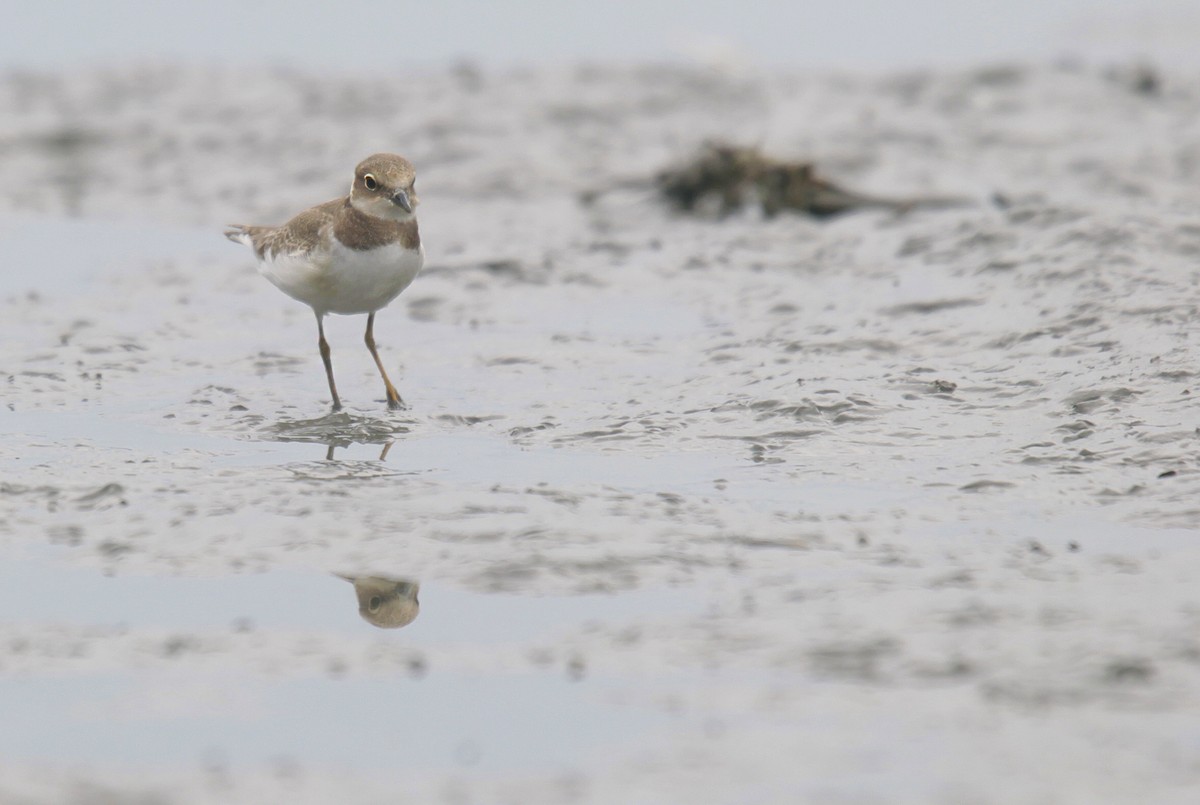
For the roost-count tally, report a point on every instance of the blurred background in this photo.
(866, 34)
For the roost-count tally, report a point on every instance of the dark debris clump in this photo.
(730, 177)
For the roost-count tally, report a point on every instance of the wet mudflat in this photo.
(885, 508)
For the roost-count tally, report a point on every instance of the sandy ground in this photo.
(887, 508)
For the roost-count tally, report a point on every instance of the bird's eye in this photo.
(374, 603)
(370, 182)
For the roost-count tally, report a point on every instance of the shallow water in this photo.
(277, 667)
(877, 509)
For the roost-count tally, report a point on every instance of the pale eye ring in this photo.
(370, 183)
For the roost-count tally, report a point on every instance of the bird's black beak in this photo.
(400, 199)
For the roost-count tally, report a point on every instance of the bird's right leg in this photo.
(324, 346)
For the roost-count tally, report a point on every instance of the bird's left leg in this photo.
(393, 396)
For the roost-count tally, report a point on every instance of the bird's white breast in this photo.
(342, 280)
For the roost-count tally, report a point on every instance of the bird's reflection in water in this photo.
(386, 603)
(382, 455)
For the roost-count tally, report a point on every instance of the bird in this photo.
(348, 256)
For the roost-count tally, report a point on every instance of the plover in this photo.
(347, 256)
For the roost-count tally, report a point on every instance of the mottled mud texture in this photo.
(885, 508)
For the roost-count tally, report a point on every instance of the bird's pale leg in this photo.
(324, 345)
(393, 396)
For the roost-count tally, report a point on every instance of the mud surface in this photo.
(887, 508)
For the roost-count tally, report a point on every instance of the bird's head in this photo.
(384, 187)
